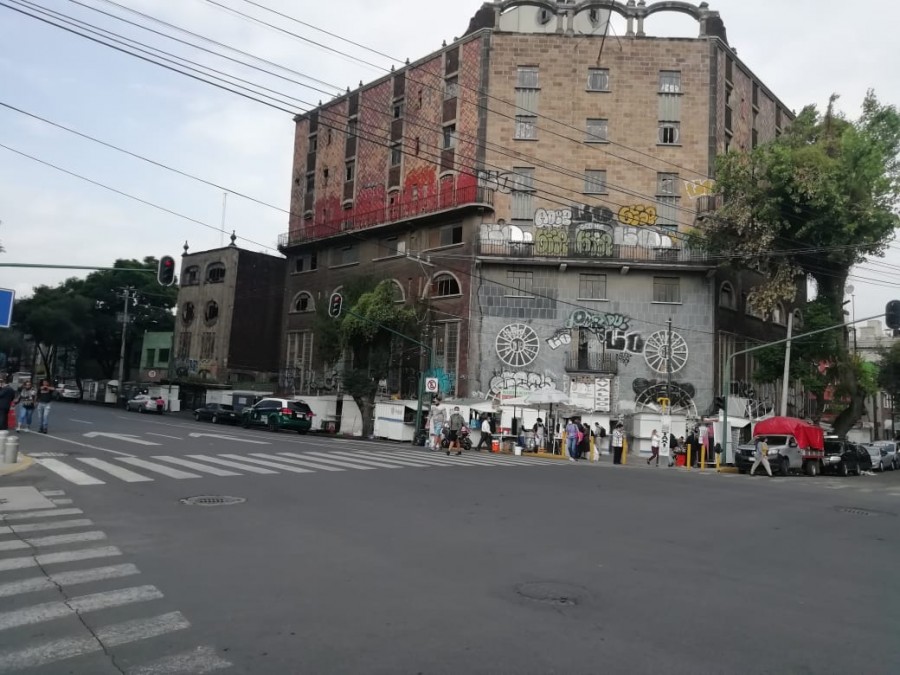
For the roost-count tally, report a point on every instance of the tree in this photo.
(813, 203)
(365, 339)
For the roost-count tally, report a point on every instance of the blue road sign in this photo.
(7, 298)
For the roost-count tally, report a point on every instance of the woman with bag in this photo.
(25, 399)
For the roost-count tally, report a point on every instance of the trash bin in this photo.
(495, 445)
(680, 459)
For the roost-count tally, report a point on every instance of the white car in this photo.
(69, 392)
(884, 455)
(143, 403)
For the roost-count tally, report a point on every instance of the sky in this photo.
(804, 50)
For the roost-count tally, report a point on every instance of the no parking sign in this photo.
(431, 385)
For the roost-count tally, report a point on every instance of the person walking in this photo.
(456, 423)
(618, 441)
(571, 439)
(44, 398)
(654, 448)
(438, 417)
(762, 449)
(486, 437)
(25, 400)
(7, 397)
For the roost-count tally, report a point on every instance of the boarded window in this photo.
(667, 289)
(591, 286)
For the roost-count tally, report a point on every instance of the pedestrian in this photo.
(25, 399)
(673, 449)
(618, 441)
(584, 440)
(654, 448)
(762, 450)
(599, 436)
(539, 431)
(44, 398)
(571, 439)
(7, 397)
(486, 437)
(438, 417)
(456, 423)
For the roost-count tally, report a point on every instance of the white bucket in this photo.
(517, 450)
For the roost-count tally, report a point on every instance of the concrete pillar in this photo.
(640, 26)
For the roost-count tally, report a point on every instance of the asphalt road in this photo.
(499, 565)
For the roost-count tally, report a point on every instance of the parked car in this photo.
(68, 392)
(217, 413)
(143, 403)
(278, 413)
(883, 454)
(843, 457)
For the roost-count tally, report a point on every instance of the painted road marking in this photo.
(53, 540)
(310, 464)
(72, 419)
(130, 438)
(59, 501)
(437, 459)
(197, 466)
(273, 465)
(40, 527)
(114, 470)
(115, 635)
(87, 445)
(378, 462)
(72, 578)
(328, 459)
(53, 493)
(225, 437)
(28, 616)
(52, 513)
(57, 558)
(233, 465)
(198, 661)
(67, 472)
(174, 438)
(158, 468)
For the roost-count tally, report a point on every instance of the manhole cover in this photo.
(552, 593)
(212, 500)
(853, 511)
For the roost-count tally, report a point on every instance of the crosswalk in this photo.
(92, 471)
(54, 593)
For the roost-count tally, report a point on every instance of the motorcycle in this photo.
(465, 440)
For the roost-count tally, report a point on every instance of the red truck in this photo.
(793, 445)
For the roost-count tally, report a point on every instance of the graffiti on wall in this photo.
(554, 218)
(517, 345)
(680, 394)
(663, 356)
(594, 242)
(637, 215)
(611, 330)
(502, 182)
(510, 384)
(696, 189)
(551, 241)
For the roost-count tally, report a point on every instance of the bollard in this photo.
(687, 463)
(11, 450)
(703, 458)
(624, 449)
(594, 458)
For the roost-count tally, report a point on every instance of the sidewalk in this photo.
(24, 462)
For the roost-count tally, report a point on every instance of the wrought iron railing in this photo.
(582, 250)
(592, 362)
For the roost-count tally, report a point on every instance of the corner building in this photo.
(532, 183)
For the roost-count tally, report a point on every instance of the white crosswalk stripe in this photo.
(58, 558)
(158, 468)
(73, 578)
(67, 472)
(233, 465)
(196, 466)
(328, 458)
(40, 527)
(46, 513)
(117, 471)
(274, 465)
(309, 464)
(55, 540)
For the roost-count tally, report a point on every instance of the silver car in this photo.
(884, 455)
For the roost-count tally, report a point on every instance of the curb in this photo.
(24, 462)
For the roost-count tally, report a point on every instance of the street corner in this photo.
(24, 462)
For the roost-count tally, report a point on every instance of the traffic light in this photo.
(335, 305)
(892, 314)
(165, 274)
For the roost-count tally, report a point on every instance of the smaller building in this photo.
(228, 327)
(156, 355)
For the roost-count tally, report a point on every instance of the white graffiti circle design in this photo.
(656, 352)
(518, 345)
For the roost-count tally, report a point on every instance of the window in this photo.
(445, 351)
(328, 142)
(187, 312)
(449, 137)
(597, 131)
(669, 133)
(162, 357)
(207, 345)
(527, 77)
(184, 345)
(751, 310)
(594, 182)
(544, 17)
(191, 276)
(399, 107)
(727, 297)
(306, 263)
(444, 285)
(304, 303)
(212, 311)
(313, 143)
(150, 358)
(667, 199)
(215, 273)
(300, 351)
(798, 319)
(451, 88)
(397, 291)
(778, 315)
(391, 246)
(522, 194)
(598, 79)
(345, 255)
(396, 154)
(525, 127)
(592, 287)
(352, 128)
(667, 289)
(447, 236)
(349, 172)
(310, 181)
(670, 82)
(519, 283)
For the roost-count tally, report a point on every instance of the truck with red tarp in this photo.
(794, 444)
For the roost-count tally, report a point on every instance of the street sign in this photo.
(7, 298)
(335, 305)
(431, 385)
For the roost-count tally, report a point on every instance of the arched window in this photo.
(191, 276)
(753, 311)
(798, 319)
(303, 302)
(187, 312)
(778, 315)
(397, 291)
(212, 311)
(444, 285)
(727, 297)
(215, 273)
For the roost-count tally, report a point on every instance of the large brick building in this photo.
(532, 183)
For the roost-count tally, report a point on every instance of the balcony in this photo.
(406, 209)
(579, 250)
(592, 362)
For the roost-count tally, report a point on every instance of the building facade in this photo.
(533, 183)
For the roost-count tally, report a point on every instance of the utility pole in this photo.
(126, 296)
(787, 365)
(669, 359)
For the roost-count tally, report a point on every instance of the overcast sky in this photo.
(803, 50)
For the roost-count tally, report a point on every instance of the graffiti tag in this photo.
(637, 215)
(596, 321)
(560, 338)
(700, 188)
(551, 241)
(593, 242)
(557, 218)
(504, 183)
(583, 213)
(510, 384)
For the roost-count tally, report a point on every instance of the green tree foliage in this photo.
(889, 370)
(813, 203)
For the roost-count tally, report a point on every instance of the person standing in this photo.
(762, 449)
(584, 440)
(438, 417)
(456, 423)
(539, 431)
(486, 437)
(654, 447)
(599, 437)
(44, 398)
(7, 397)
(618, 441)
(25, 400)
(571, 439)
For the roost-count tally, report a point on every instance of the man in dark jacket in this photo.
(7, 396)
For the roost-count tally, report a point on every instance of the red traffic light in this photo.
(165, 273)
(335, 305)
